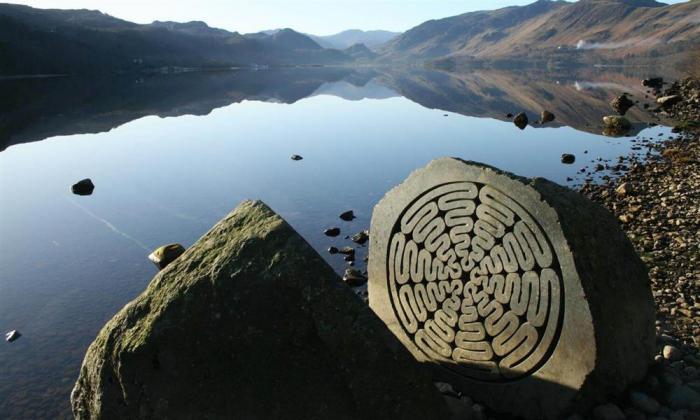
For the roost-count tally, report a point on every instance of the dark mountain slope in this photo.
(34, 41)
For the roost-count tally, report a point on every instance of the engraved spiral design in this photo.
(475, 283)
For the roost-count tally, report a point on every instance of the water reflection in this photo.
(35, 109)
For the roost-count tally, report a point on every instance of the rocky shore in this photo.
(657, 203)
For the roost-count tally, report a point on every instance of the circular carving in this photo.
(474, 282)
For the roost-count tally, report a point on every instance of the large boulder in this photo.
(250, 323)
(521, 293)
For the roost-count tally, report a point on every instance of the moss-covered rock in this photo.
(250, 323)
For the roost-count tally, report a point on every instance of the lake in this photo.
(171, 154)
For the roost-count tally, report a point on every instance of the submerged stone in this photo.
(250, 323)
(523, 293)
(361, 238)
(166, 254)
(83, 187)
(347, 216)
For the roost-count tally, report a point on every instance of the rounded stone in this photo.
(166, 254)
(523, 292)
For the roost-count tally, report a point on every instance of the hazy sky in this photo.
(321, 17)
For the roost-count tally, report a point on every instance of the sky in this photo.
(319, 17)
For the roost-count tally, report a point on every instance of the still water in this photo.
(170, 155)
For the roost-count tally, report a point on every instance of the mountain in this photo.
(38, 41)
(360, 52)
(609, 27)
(346, 39)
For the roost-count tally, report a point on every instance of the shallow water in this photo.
(171, 155)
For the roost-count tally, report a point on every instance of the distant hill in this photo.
(610, 27)
(346, 39)
(360, 52)
(38, 41)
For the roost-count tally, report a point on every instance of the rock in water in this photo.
(332, 232)
(521, 120)
(296, 157)
(166, 254)
(348, 216)
(250, 323)
(529, 297)
(653, 82)
(568, 159)
(12, 336)
(354, 278)
(361, 238)
(546, 117)
(83, 187)
(621, 104)
(616, 125)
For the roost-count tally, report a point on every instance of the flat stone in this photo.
(83, 187)
(296, 157)
(347, 250)
(166, 254)
(667, 101)
(250, 323)
(524, 294)
(348, 216)
(332, 232)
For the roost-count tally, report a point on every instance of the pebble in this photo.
(361, 238)
(347, 216)
(296, 157)
(12, 336)
(354, 278)
(332, 232)
(83, 187)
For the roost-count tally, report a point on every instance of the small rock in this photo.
(568, 158)
(332, 232)
(668, 101)
(350, 258)
(354, 278)
(347, 250)
(653, 82)
(624, 189)
(672, 353)
(608, 412)
(616, 122)
(12, 336)
(166, 254)
(644, 402)
(333, 250)
(546, 117)
(361, 237)
(83, 187)
(621, 104)
(509, 115)
(296, 157)
(347, 216)
(521, 120)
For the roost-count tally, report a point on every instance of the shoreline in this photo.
(657, 205)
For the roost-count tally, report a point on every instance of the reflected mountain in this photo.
(36, 109)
